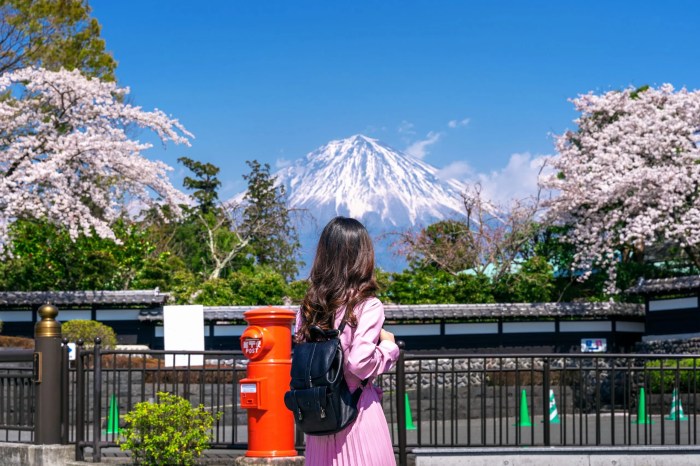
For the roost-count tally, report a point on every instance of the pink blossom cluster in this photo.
(629, 177)
(67, 154)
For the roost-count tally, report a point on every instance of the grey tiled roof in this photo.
(79, 298)
(660, 285)
(450, 311)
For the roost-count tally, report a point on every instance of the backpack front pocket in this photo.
(312, 409)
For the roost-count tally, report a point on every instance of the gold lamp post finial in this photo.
(48, 326)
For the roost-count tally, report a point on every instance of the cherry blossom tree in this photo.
(66, 154)
(629, 177)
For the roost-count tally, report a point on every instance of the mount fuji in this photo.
(387, 190)
(362, 178)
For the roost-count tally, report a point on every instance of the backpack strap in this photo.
(356, 394)
(340, 329)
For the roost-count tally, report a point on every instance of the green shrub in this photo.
(168, 432)
(88, 330)
(688, 378)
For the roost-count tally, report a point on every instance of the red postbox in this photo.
(267, 342)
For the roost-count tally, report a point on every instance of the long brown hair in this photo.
(342, 274)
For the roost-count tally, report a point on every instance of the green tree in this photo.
(260, 285)
(217, 240)
(52, 34)
(256, 286)
(427, 285)
(236, 253)
(215, 292)
(205, 238)
(166, 272)
(296, 291)
(532, 282)
(266, 219)
(474, 288)
(45, 258)
(205, 183)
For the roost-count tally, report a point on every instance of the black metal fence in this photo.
(443, 400)
(551, 400)
(109, 383)
(17, 396)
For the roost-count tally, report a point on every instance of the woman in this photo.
(342, 284)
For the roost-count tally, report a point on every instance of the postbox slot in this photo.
(251, 393)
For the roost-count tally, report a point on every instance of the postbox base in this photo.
(278, 461)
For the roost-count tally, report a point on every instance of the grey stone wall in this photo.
(686, 346)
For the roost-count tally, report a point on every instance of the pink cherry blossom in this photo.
(629, 177)
(69, 153)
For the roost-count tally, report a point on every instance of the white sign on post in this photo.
(183, 330)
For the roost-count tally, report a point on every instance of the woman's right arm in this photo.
(370, 354)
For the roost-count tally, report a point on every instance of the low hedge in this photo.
(681, 374)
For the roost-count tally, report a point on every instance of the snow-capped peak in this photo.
(363, 178)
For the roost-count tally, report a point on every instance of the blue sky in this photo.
(476, 89)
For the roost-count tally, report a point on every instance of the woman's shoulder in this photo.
(372, 301)
(370, 304)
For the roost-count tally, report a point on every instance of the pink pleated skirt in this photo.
(366, 442)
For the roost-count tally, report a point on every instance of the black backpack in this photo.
(319, 396)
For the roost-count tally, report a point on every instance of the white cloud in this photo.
(458, 123)
(456, 170)
(518, 180)
(419, 149)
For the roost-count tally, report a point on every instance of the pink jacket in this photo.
(364, 358)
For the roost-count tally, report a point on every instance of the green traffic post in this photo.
(642, 417)
(409, 419)
(113, 417)
(525, 420)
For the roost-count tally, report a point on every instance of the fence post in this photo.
(79, 401)
(400, 404)
(47, 367)
(65, 416)
(545, 403)
(97, 403)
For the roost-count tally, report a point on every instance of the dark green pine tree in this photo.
(205, 184)
(267, 221)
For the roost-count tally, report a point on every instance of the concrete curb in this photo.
(36, 455)
(525, 456)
